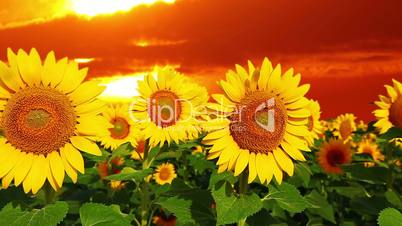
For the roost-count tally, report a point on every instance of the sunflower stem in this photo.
(390, 176)
(144, 188)
(243, 187)
(50, 194)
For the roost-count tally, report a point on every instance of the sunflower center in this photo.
(121, 128)
(258, 125)
(345, 129)
(38, 120)
(395, 113)
(165, 108)
(335, 157)
(164, 174)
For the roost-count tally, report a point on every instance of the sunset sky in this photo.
(347, 50)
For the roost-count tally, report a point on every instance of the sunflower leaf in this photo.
(50, 215)
(287, 197)
(124, 176)
(231, 208)
(321, 206)
(95, 214)
(390, 217)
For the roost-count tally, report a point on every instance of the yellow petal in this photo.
(230, 91)
(223, 167)
(23, 169)
(269, 167)
(277, 171)
(10, 160)
(266, 69)
(252, 170)
(85, 145)
(391, 92)
(242, 162)
(225, 155)
(297, 93)
(93, 126)
(48, 68)
(71, 172)
(217, 134)
(50, 177)
(72, 78)
(260, 165)
(86, 92)
(38, 172)
(233, 159)
(30, 67)
(292, 152)
(10, 78)
(58, 71)
(284, 161)
(56, 166)
(95, 107)
(73, 157)
(297, 130)
(299, 113)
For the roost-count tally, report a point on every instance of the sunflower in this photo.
(162, 220)
(314, 124)
(165, 174)
(168, 107)
(117, 185)
(389, 113)
(139, 147)
(123, 129)
(345, 125)
(369, 147)
(47, 114)
(333, 154)
(265, 121)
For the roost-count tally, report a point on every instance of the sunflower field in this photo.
(255, 154)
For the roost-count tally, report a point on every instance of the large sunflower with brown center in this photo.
(389, 113)
(168, 107)
(265, 119)
(47, 114)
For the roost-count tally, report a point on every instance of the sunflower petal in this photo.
(73, 157)
(85, 92)
(85, 145)
(242, 162)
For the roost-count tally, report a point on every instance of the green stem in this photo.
(144, 189)
(50, 194)
(390, 175)
(243, 187)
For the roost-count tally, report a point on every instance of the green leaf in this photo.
(95, 214)
(127, 175)
(393, 132)
(373, 175)
(394, 198)
(50, 215)
(351, 191)
(123, 150)
(390, 217)
(301, 176)
(288, 197)
(263, 218)
(231, 208)
(200, 164)
(189, 205)
(321, 206)
(218, 177)
(369, 205)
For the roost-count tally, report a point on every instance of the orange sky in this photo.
(346, 49)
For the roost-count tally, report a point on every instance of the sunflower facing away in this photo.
(139, 148)
(333, 154)
(123, 129)
(314, 124)
(165, 174)
(168, 106)
(345, 125)
(47, 114)
(266, 117)
(389, 113)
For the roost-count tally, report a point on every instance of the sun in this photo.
(101, 7)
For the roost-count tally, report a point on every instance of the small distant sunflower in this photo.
(161, 220)
(333, 154)
(362, 125)
(123, 129)
(165, 174)
(389, 113)
(197, 149)
(265, 122)
(345, 125)
(372, 149)
(314, 124)
(116, 185)
(168, 106)
(47, 114)
(139, 148)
